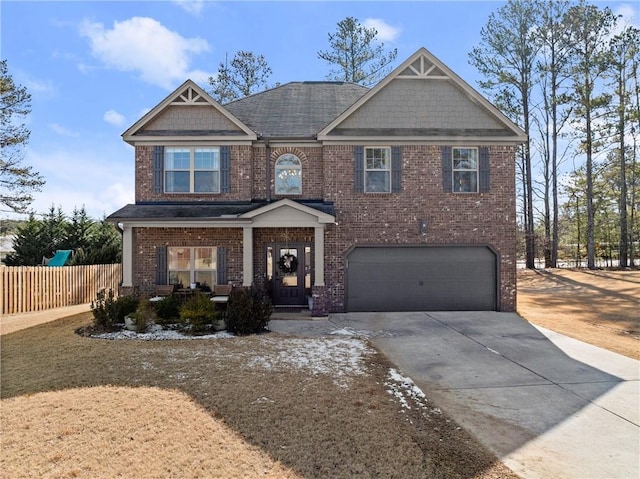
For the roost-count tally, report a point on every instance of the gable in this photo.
(188, 113)
(422, 100)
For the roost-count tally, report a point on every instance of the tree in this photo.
(624, 54)
(552, 68)
(247, 74)
(93, 242)
(506, 57)
(355, 56)
(588, 29)
(17, 182)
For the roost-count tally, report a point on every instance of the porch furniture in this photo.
(221, 293)
(162, 291)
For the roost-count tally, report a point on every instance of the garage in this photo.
(421, 278)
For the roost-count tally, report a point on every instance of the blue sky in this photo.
(94, 68)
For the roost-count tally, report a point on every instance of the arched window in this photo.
(288, 175)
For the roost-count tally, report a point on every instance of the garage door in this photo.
(452, 278)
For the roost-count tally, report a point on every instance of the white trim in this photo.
(320, 217)
(127, 256)
(427, 141)
(247, 256)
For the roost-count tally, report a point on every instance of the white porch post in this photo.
(247, 256)
(318, 280)
(127, 256)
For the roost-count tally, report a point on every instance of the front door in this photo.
(290, 271)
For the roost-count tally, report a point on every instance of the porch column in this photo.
(127, 256)
(247, 256)
(318, 280)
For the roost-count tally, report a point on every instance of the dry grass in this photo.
(240, 407)
(598, 307)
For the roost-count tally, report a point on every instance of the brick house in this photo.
(399, 197)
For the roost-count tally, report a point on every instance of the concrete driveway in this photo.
(549, 406)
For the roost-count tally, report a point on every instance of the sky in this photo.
(93, 68)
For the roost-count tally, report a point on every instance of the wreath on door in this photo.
(288, 263)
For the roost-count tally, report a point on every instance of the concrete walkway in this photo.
(15, 322)
(549, 406)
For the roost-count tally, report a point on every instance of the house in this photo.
(396, 198)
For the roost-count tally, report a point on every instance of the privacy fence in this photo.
(27, 289)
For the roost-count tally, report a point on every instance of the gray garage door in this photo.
(452, 278)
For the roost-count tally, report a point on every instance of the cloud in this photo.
(62, 131)
(140, 44)
(386, 33)
(99, 177)
(194, 7)
(629, 15)
(114, 118)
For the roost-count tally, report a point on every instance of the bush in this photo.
(199, 313)
(168, 310)
(108, 310)
(143, 315)
(248, 311)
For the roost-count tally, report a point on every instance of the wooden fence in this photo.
(25, 289)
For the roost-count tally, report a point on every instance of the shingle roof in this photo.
(199, 211)
(296, 109)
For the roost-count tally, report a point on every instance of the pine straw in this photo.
(266, 406)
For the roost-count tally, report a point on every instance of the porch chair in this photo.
(221, 293)
(162, 291)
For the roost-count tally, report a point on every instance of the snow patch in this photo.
(405, 391)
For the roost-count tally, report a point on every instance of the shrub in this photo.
(168, 310)
(198, 312)
(143, 315)
(248, 311)
(108, 310)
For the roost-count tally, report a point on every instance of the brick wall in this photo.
(476, 218)
(241, 178)
(146, 241)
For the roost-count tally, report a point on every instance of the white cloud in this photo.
(61, 130)
(386, 33)
(194, 7)
(114, 118)
(143, 45)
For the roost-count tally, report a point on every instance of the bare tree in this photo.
(506, 57)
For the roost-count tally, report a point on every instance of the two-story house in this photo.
(396, 198)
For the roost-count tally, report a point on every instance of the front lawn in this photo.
(253, 406)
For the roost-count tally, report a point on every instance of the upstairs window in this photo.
(465, 170)
(377, 170)
(288, 175)
(192, 170)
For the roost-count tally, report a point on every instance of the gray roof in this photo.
(198, 211)
(296, 109)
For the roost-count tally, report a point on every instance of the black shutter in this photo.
(396, 169)
(161, 265)
(221, 265)
(447, 169)
(484, 180)
(358, 169)
(225, 169)
(158, 169)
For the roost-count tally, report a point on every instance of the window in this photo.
(192, 265)
(192, 170)
(377, 170)
(288, 175)
(465, 170)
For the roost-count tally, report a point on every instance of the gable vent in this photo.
(189, 97)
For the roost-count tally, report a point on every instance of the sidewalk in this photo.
(15, 322)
